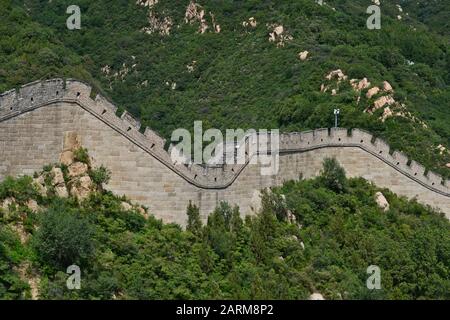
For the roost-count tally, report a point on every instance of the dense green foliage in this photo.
(239, 78)
(307, 238)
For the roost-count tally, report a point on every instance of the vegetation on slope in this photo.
(315, 235)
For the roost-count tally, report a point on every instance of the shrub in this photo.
(194, 223)
(100, 175)
(81, 155)
(333, 175)
(64, 237)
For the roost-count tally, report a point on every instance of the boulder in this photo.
(381, 201)
(58, 177)
(303, 55)
(77, 169)
(316, 296)
(448, 165)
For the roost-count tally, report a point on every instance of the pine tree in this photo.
(194, 224)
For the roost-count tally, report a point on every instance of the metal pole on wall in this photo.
(336, 116)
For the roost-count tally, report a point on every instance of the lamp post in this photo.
(336, 117)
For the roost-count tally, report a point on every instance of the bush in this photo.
(81, 155)
(64, 237)
(100, 175)
(333, 175)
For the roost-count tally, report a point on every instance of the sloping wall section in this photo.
(35, 119)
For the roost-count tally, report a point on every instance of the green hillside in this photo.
(316, 235)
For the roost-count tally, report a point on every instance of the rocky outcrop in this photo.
(278, 35)
(372, 91)
(196, 14)
(251, 22)
(77, 169)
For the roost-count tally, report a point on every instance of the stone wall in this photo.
(35, 119)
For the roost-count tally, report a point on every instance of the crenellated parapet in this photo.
(49, 92)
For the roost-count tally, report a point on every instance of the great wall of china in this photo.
(35, 119)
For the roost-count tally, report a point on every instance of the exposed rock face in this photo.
(387, 87)
(61, 191)
(82, 187)
(58, 177)
(336, 74)
(67, 157)
(363, 84)
(278, 35)
(160, 25)
(382, 101)
(196, 14)
(77, 169)
(71, 141)
(372, 91)
(381, 201)
(387, 113)
(39, 183)
(147, 3)
(316, 296)
(251, 22)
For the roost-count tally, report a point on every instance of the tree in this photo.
(64, 237)
(333, 175)
(194, 224)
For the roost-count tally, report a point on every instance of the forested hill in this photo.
(260, 64)
(311, 237)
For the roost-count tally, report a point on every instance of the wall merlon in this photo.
(77, 90)
(307, 137)
(130, 121)
(434, 179)
(400, 158)
(339, 135)
(154, 138)
(321, 135)
(417, 169)
(104, 104)
(361, 137)
(382, 147)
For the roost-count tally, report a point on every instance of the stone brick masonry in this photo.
(35, 120)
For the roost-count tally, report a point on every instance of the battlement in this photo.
(49, 92)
